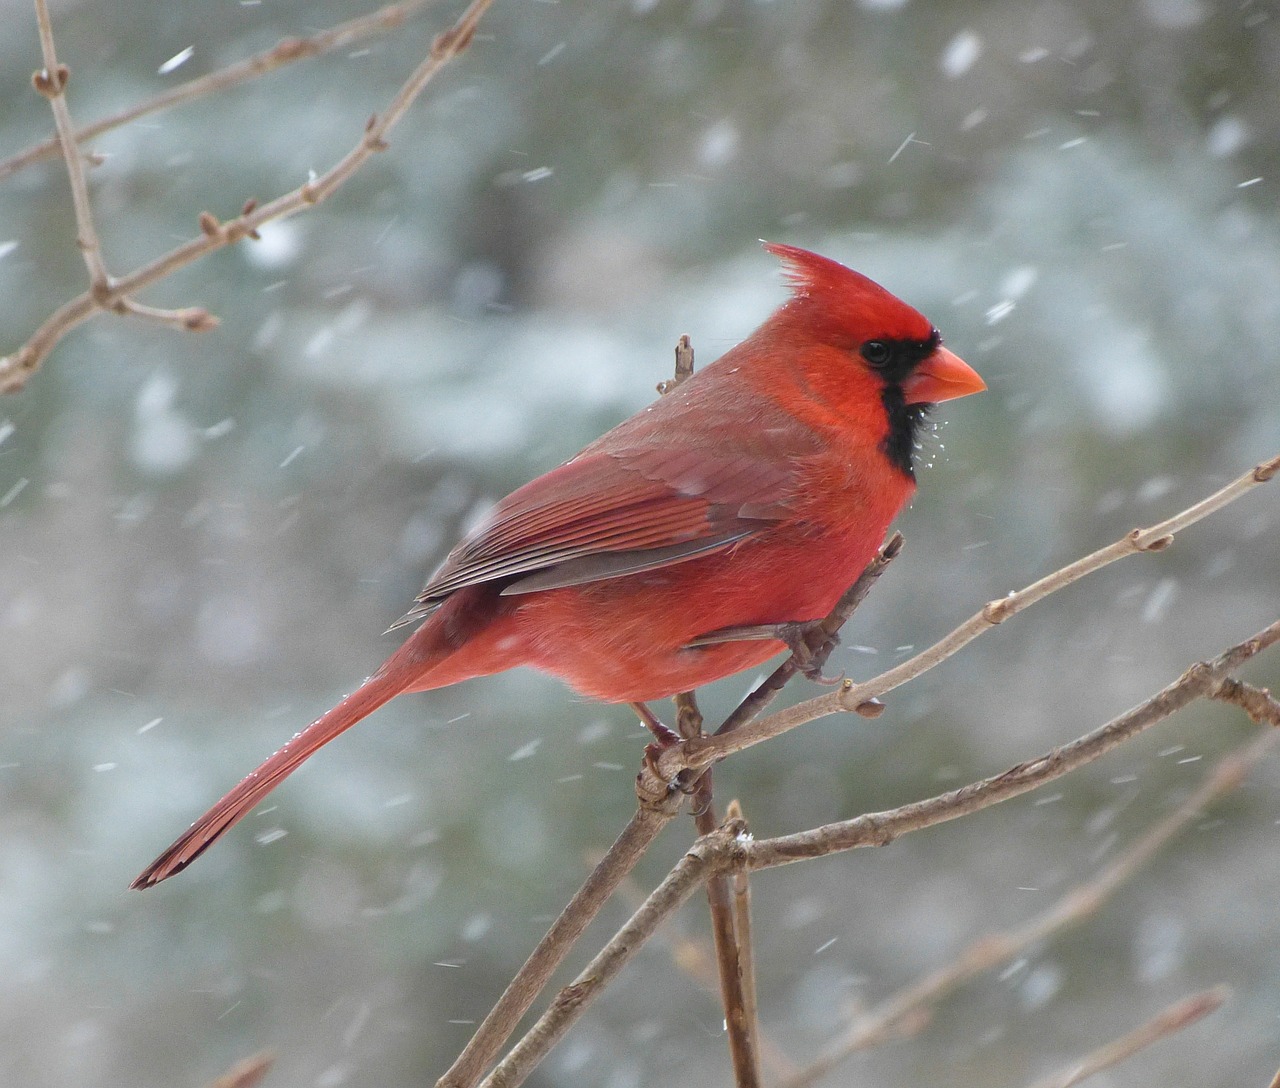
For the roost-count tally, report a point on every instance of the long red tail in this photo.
(383, 686)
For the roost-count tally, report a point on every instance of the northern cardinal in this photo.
(741, 503)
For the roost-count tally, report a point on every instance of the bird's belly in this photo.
(627, 639)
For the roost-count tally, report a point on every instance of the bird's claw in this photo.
(688, 782)
(809, 661)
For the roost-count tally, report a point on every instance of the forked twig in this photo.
(16, 368)
(706, 856)
(881, 828)
(580, 911)
(725, 850)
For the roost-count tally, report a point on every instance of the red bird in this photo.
(749, 497)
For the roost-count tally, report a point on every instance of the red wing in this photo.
(603, 515)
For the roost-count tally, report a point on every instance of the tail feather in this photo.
(378, 689)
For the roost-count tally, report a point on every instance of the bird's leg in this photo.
(664, 736)
(798, 637)
(690, 721)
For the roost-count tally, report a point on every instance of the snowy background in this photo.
(202, 537)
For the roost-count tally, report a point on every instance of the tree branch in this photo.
(727, 850)
(285, 51)
(51, 82)
(710, 854)
(1182, 1014)
(732, 960)
(580, 911)
(746, 942)
(16, 369)
(881, 828)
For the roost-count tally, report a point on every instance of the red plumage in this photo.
(752, 494)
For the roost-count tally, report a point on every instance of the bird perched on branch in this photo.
(689, 542)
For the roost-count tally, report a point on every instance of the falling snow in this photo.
(960, 54)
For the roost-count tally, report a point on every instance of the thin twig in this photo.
(740, 1026)
(695, 958)
(248, 1073)
(741, 888)
(52, 83)
(15, 369)
(285, 51)
(704, 751)
(684, 366)
(708, 855)
(724, 850)
(1178, 1016)
(892, 1017)
(882, 828)
(580, 911)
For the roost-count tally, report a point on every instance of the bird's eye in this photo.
(876, 352)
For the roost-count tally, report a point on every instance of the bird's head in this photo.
(892, 347)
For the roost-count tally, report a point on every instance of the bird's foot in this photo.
(800, 639)
(665, 737)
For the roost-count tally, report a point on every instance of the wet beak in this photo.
(942, 376)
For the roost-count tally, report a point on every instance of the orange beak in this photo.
(942, 376)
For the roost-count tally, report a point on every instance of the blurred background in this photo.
(203, 536)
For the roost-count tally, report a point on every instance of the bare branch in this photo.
(881, 828)
(740, 1025)
(190, 319)
(741, 888)
(580, 911)
(15, 369)
(711, 853)
(702, 752)
(1178, 1016)
(724, 850)
(739, 1019)
(696, 959)
(52, 83)
(285, 51)
(896, 1015)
